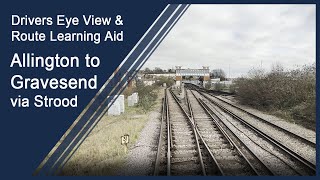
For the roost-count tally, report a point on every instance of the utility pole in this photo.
(229, 71)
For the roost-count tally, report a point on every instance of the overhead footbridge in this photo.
(198, 76)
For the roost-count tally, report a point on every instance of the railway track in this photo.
(181, 151)
(234, 158)
(161, 167)
(297, 137)
(289, 161)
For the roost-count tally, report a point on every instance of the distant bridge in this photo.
(181, 74)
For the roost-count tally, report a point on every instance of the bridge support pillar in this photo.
(178, 80)
(206, 79)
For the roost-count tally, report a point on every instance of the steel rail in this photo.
(194, 128)
(157, 162)
(164, 121)
(169, 136)
(306, 141)
(194, 122)
(196, 138)
(233, 144)
(209, 111)
(290, 152)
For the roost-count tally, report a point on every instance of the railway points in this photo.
(234, 146)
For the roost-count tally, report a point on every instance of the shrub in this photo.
(208, 85)
(147, 96)
(233, 88)
(168, 80)
(292, 91)
(218, 86)
(128, 91)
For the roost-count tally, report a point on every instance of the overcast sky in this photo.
(242, 36)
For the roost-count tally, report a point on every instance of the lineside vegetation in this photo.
(148, 93)
(288, 93)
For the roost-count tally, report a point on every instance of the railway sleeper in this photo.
(183, 140)
(184, 155)
(181, 127)
(209, 132)
(205, 123)
(183, 147)
(207, 129)
(180, 123)
(226, 152)
(213, 141)
(185, 160)
(228, 158)
(211, 169)
(220, 146)
(183, 137)
(183, 172)
(182, 132)
(236, 169)
(212, 136)
(201, 117)
(188, 166)
(178, 151)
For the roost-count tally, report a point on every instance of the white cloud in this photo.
(241, 36)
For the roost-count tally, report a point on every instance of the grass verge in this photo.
(101, 153)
